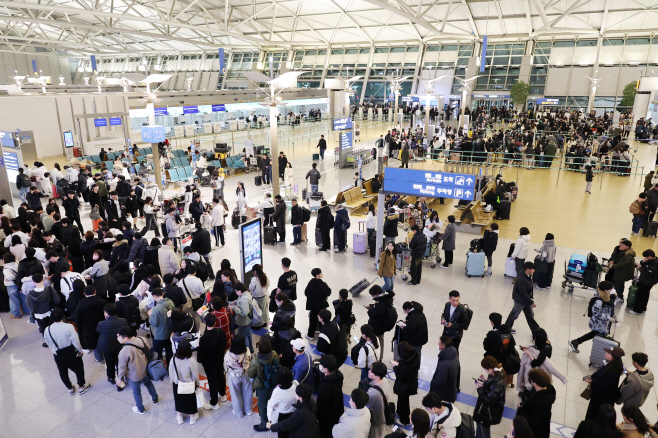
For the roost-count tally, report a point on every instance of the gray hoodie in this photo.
(547, 251)
(635, 389)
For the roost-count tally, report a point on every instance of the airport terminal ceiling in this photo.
(158, 27)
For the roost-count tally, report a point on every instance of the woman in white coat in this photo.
(56, 174)
(241, 199)
(520, 252)
(288, 174)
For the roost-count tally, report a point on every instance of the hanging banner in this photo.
(93, 64)
(34, 66)
(483, 56)
(222, 62)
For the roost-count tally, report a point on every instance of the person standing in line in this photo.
(132, 366)
(262, 371)
(491, 397)
(62, 339)
(522, 294)
(184, 369)
(378, 313)
(314, 177)
(520, 252)
(636, 386)
(406, 373)
(623, 268)
(341, 225)
(279, 217)
(88, 314)
(648, 278)
(108, 345)
(171, 227)
(638, 209)
(546, 255)
(158, 321)
(242, 308)
(241, 200)
(536, 408)
(489, 244)
(330, 395)
(414, 328)
(445, 379)
(281, 404)
(602, 309)
(387, 265)
(296, 220)
(211, 355)
(288, 280)
(445, 418)
(378, 396)
(324, 224)
(449, 244)
(322, 144)
(302, 421)
(316, 292)
(218, 226)
(302, 369)
(258, 287)
(418, 245)
(236, 363)
(355, 422)
(23, 184)
(453, 319)
(589, 177)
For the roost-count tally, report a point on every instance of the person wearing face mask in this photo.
(601, 311)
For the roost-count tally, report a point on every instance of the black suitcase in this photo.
(270, 235)
(318, 237)
(258, 181)
(372, 244)
(651, 229)
(235, 218)
(504, 209)
(360, 286)
(304, 194)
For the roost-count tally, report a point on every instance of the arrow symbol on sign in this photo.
(468, 193)
(469, 180)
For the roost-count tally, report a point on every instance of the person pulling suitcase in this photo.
(601, 311)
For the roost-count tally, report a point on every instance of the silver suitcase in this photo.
(598, 344)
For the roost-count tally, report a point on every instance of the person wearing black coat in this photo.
(72, 208)
(491, 396)
(343, 310)
(196, 209)
(489, 244)
(201, 243)
(120, 250)
(296, 220)
(418, 246)
(113, 211)
(391, 225)
(414, 331)
(522, 294)
(330, 396)
(127, 307)
(108, 345)
(445, 379)
(88, 314)
(406, 379)
(605, 382)
(279, 217)
(123, 187)
(26, 266)
(211, 356)
(604, 425)
(302, 423)
(173, 292)
(316, 292)
(138, 248)
(377, 313)
(499, 342)
(537, 406)
(325, 224)
(87, 249)
(151, 255)
(453, 318)
(329, 332)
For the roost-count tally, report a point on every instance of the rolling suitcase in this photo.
(510, 267)
(632, 293)
(360, 286)
(504, 209)
(318, 237)
(475, 264)
(359, 240)
(258, 181)
(651, 229)
(235, 218)
(304, 237)
(597, 355)
(270, 235)
(316, 157)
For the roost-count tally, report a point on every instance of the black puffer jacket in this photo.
(377, 313)
(201, 242)
(418, 245)
(391, 226)
(138, 250)
(317, 292)
(491, 401)
(415, 331)
(523, 290)
(407, 372)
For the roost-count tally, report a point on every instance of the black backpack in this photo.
(202, 271)
(354, 353)
(590, 306)
(468, 313)
(389, 407)
(306, 214)
(467, 428)
(26, 180)
(62, 187)
(390, 318)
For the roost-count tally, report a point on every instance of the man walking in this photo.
(314, 176)
(132, 368)
(322, 144)
(108, 345)
(418, 245)
(522, 294)
(23, 183)
(63, 341)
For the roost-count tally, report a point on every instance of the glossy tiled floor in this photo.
(33, 401)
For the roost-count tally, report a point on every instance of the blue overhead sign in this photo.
(346, 140)
(431, 184)
(160, 111)
(153, 134)
(548, 101)
(190, 109)
(115, 121)
(222, 61)
(7, 139)
(100, 122)
(342, 124)
(220, 107)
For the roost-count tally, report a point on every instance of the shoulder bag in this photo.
(184, 387)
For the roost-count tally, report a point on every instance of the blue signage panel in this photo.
(94, 67)
(190, 109)
(222, 62)
(428, 183)
(219, 107)
(153, 134)
(115, 121)
(100, 122)
(161, 111)
(34, 66)
(7, 139)
(483, 55)
(341, 124)
(11, 160)
(548, 101)
(346, 140)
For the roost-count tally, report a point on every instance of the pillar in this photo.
(595, 74)
(274, 149)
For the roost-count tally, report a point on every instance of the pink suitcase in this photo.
(359, 241)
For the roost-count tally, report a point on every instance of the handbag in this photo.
(94, 214)
(196, 302)
(184, 387)
(541, 266)
(200, 399)
(587, 392)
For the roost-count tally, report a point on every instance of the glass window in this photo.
(409, 64)
(412, 49)
(565, 43)
(317, 73)
(518, 46)
(334, 65)
(511, 80)
(310, 53)
(379, 64)
(515, 60)
(541, 59)
(351, 51)
(466, 47)
(381, 49)
(586, 43)
(322, 52)
(361, 51)
(538, 80)
(462, 61)
(537, 90)
(501, 52)
(333, 72)
(545, 44)
(450, 48)
(499, 71)
(613, 42)
(349, 65)
(362, 65)
(518, 51)
(360, 72)
(483, 80)
(433, 48)
(307, 66)
(299, 56)
(391, 72)
(514, 71)
(397, 49)
(408, 72)
(637, 41)
(429, 64)
(539, 70)
(395, 64)
(503, 46)
(501, 60)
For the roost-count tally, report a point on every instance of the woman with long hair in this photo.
(17, 247)
(258, 288)
(371, 221)
(491, 397)
(184, 368)
(98, 274)
(387, 265)
(285, 309)
(421, 426)
(635, 423)
(546, 256)
(368, 350)
(288, 175)
(605, 381)
(236, 363)
(406, 378)
(604, 425)
(241, 199)
(150, 213)
(37, 236)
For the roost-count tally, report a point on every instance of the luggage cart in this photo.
(434, 255)
(571, 278)
(406, 264)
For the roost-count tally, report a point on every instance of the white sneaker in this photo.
(180, 419)
(633, 312)
(619, 301)
(209, 407)
(193, 418)
(223, 399)
(443, 267)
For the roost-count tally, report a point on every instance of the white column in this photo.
(595, 75)
(274, 150)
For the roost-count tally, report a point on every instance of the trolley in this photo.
(575, 279)
(432, 253)
(406, 264)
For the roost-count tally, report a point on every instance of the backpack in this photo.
(62, 187)
(511, 359)
(590, 306)
(389, 407)
(634, 208)
(269, 374)
(306, 214)
(330, 220)
(155, 368)
(25, 180)
(163, 227)
(467, 428)
(468, 313)
(202, 269)
(390, 318)
(345, 225)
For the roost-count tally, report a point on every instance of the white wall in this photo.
(22, 62)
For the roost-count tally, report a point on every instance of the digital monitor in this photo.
(12, 164)
(68, 139)
(251, 246)
(160, 111)
(7, 139)
(220, 107)
(115, 121)
(190, 109)
(100, 122)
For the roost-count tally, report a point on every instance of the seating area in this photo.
(472, 218)
(354, 198)
(234, 162)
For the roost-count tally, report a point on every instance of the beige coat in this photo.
(548, 366)
(168, 260)
(132, 362)
(386, 264)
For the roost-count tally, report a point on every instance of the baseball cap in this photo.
(617, 352)
(298, 344)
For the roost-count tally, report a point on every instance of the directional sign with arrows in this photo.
(428, 183)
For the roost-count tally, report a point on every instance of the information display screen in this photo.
(7, 139)
(252, 246)
(68, 139)
(12, 164)
(427, 183)
(100, 122)
(220, 107)
(342, 124)
(346, 140)
(190, 109)
(115, 121)
(160, 111)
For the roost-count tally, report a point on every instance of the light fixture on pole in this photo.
(276, 86)
(86, 79)
(347, 87)
(427, 95)
(189, 80)
(18, 80)
(466, 87)
(99, 82)
(43, 81)
(396, 87)
(593, 84)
